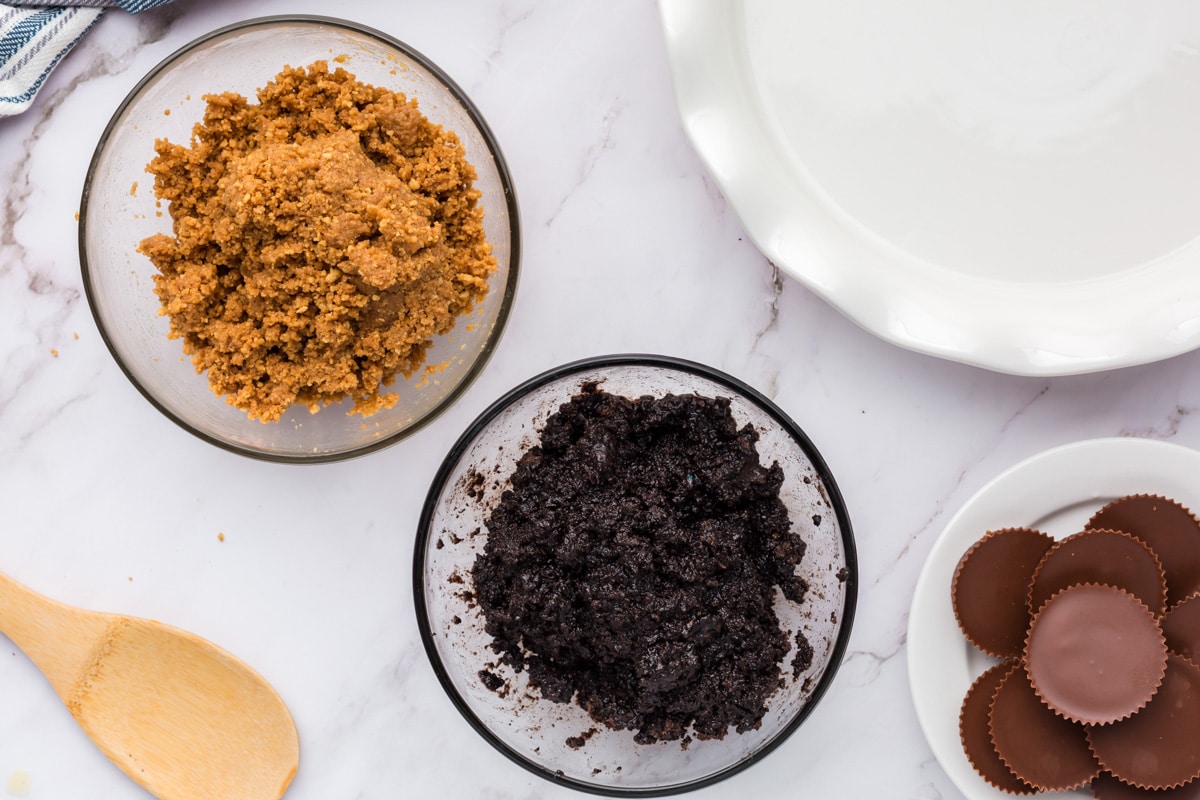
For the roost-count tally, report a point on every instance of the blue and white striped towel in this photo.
(34, 37)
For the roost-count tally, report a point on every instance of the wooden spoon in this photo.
(179, 715)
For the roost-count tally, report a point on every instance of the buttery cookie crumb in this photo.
(321, 238)
(19, 782)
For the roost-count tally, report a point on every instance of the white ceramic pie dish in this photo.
(1005, 185)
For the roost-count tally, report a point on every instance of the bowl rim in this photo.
(460, 448)
(506, 182)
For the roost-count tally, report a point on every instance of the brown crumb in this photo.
(491, 680)
(304, 267)
(804, 655)
(220, 536)
(576, 742)
(53, 352)
(133, 189)
(166, 112)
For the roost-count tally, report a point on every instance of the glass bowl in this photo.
(535, 732)
(118, 209)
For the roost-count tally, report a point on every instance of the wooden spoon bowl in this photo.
(179, 715)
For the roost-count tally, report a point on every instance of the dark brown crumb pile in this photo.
(631, 566)
(321, 237)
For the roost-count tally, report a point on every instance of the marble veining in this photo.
(306, 572)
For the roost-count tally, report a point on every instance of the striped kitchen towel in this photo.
(34, 37)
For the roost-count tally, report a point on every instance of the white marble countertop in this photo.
(304, 572)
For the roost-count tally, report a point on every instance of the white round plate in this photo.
(1011, 185)
(1056, 492)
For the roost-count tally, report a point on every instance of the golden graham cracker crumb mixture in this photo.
(321, 238)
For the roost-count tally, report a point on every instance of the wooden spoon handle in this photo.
(64, 642)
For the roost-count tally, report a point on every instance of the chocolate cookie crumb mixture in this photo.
(322, 237)
(633, 562)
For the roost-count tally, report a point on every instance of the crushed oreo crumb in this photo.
(631, 566)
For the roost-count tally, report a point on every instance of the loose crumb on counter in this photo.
(321, 238)
(19, 783)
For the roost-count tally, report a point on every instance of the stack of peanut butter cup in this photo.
(1097, 638)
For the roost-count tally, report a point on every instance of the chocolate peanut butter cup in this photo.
(1156, 748)
(1108, 787)
(1047, 751)
(1181, 626)
(1101, 556)
(991, 588)
(1095, 653)
(1170, 530)
(976, 735)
